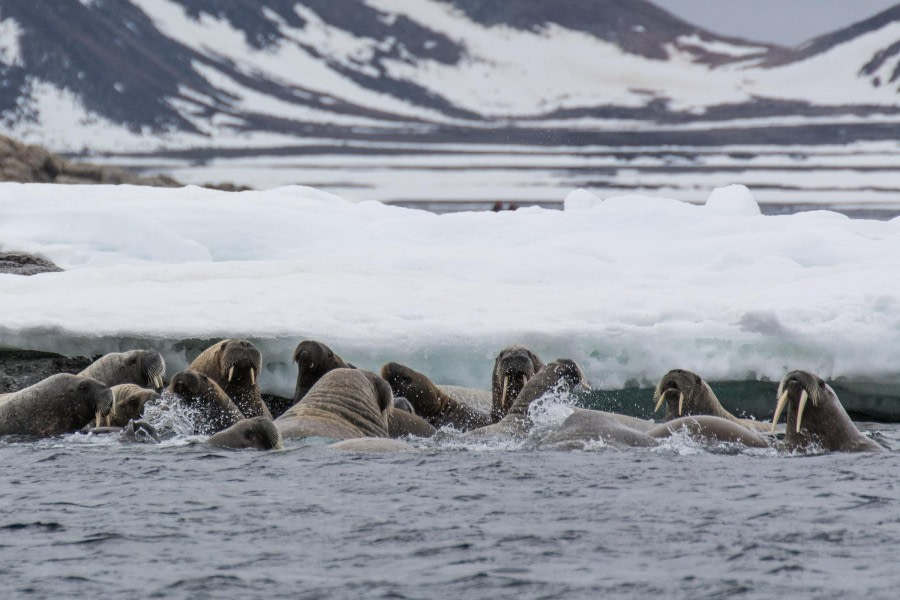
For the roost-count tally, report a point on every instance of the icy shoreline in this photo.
(629, 287)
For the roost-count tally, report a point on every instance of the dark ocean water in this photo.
(90, 517)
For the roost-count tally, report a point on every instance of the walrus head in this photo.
(415, 387)
(259, 433)
(684, 393)
(129, 403)
(313, 359)
(239, 361)
(191, 385)
(796, 390)
(513, 367)
(151, 366)
(145, 368)
(562, 375)
(85, 388)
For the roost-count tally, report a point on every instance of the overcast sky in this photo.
(785, 22)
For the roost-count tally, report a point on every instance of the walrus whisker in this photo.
(803, 398)
(782, 401)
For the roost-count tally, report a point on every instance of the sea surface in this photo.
(89, 516)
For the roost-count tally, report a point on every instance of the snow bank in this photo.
(630, 287)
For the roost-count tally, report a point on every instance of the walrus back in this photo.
(344, 403)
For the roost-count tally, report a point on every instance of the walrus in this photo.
(513, 367)
(815, 417)
(314, 359)
(59, 404)
(562, 375)
(713, 428)
(145, 368)
(402, 423)
(430, 402)
(128, 404)
(203, 394)
(258, 433)
(372, 446)
(344, 403)
(584, 426)
(234, 365)
(685, 393)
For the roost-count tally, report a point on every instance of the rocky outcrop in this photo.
(22, 368)
(24, 163)
(19, 263)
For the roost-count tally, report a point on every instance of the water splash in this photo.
(171, 417)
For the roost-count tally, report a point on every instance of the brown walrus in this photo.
(685, 393)
(344, 403)
(257, 433)
(584, 426)
(815, 417)
(145, 368)
(372, 446)
(234, 365)
(215, 409)
(128, 404)
(562, 375)
(430, 402)
(59, 404)
(314, 359)
(708, 427)
(513, 367)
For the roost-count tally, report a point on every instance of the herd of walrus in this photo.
(362, 411)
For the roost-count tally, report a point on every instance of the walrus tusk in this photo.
(230, 373)
(252, 376)
(680, 402)
(778, 408)
(661, 398)
(803, 398)
(503, 395)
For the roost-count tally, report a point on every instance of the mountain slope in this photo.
(147, 73)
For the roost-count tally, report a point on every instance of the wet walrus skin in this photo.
(314, 359)
(203, 394)
(561, 375)
(343, 404)
(258, 433)
(513, 367)
(145, 368)
(685, 393)
(815, 417)
(430, 402)
(128, 404)
(234, 364)
(59, 404)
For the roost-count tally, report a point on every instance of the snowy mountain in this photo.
(148, 74)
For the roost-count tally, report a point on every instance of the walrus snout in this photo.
(153, 368)
(105, 401)
(797, 388)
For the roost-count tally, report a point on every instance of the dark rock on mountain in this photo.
(19, 263)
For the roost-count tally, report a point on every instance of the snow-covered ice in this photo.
(630, 287)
